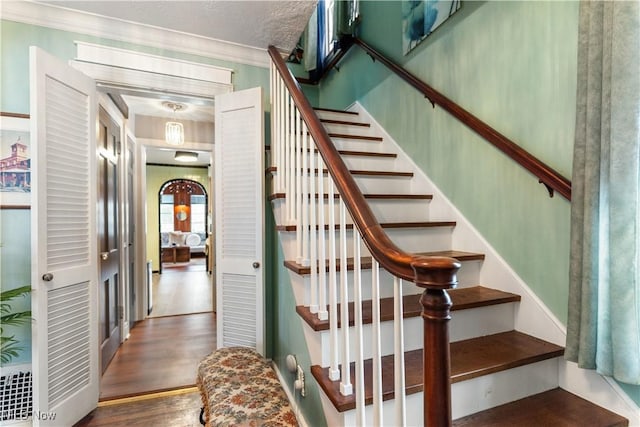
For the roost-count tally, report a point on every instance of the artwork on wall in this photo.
(421, 17)
(15, 162)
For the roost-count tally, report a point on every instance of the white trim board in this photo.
(115, 57)
(128, 78)
(59, 18)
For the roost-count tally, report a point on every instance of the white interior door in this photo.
(239, 193)
(64, 243)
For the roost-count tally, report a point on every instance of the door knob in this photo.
(256, 264)
(47, 277)
(104, 256)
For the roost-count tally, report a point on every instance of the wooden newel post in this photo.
(436, 358)
(436, 275)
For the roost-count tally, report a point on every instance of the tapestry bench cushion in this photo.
(240, 388)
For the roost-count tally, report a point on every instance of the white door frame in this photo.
(169, 76)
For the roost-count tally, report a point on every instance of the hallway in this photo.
(161, 354)
(182, 288)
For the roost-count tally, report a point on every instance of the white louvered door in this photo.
(239, 195)
(63, 241)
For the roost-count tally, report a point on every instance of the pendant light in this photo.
(174, 131)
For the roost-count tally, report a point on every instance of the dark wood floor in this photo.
(161, 354)
(182, 410)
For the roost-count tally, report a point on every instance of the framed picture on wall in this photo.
(15, 161)
(421, 17)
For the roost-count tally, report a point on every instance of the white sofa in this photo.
(195, 241)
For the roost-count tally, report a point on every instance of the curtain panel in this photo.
(603, 329)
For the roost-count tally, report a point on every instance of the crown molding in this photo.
(51, 16)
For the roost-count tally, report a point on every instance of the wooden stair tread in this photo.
(557, 408)
(275, 196)
(469, 359)
(344, 122)
(365, 262)
(463, 298)
(272, 169)
(424, 224)
(358, 137)
(365, 153)
(331, 110)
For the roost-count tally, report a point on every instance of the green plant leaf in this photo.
(9, 346)
(10, 294)
(16, 319)
(9, 349)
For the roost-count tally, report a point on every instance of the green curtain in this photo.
(603, 330)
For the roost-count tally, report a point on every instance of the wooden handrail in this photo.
(434, 274)
(545, 174)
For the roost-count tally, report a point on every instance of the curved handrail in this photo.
(431, 272)
(552, 179)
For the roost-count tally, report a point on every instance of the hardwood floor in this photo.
(175, 409)
(182, 288)
(161, 354)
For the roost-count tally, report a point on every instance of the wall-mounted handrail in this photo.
(552, 179)
(434, 274)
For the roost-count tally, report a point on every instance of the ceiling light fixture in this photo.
(174, 131)
(186, 156)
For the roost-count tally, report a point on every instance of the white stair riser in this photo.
(338, 115)
(411, 240)
(350, 129)
(374, 163)
(373, 146)
(464, 324)
(360, 162)
(467, 397)
(384, 184)
(481, 321)
(481, 393)
(368, 184)
(394, 210)
(302, 284)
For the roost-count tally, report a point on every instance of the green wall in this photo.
(157, 176)
(15, 269)
(513, 65)
(287, 336)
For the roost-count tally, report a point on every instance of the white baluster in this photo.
(299, 174)
(398, 356)
(272, 101)
(287, 159)
(292, 161)
(334, 371)
(281, 116)
(357, 305)
(314, 202)
(277, 148)
(346, 387)
(323, 314)
(305, 195)
(377, 365)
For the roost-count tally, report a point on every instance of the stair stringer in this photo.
(532, 316)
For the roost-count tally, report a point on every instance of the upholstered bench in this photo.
(240, 388)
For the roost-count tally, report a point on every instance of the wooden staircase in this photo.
(500, 376)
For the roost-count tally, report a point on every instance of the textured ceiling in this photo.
(256, 24)
(250, 23)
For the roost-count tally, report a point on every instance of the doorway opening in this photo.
(183, 283)
(161, 351)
